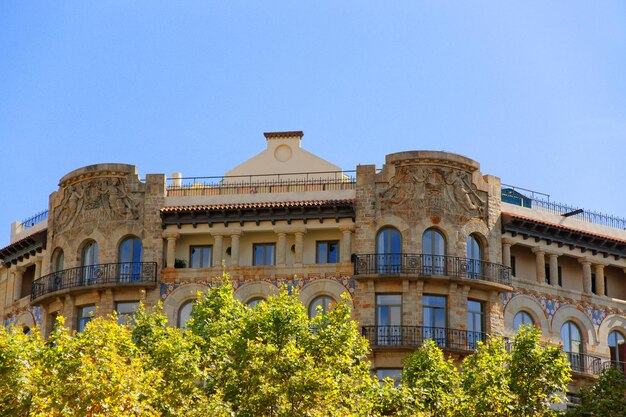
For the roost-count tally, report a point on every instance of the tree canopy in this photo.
(267, 360)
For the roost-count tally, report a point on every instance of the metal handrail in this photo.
(585, 215)
(33, 220)
(431, 265)
(262, 183)
(414, 336)
(124, 273)
(585, 364)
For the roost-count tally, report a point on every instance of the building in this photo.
(427, 247)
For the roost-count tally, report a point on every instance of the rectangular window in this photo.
(389, 319)
(394, 373)
(200, 256)
(475, 324)
(263, 254)
(85, 314)
(513, 265)
(434, 317)
(126, 311)
(327, 252)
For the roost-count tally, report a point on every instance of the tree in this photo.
(537, 374)
(433, 380)
(273, 360)
(606, 397)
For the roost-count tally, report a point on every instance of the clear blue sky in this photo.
(535, 92)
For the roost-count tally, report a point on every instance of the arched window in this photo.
(58, 260)
(433, 252)
(474, 257)
(253, 302)
(324, 301)
(129, 258)
(522, 318)
(573, 345)
(89, 262)
(388, 251)
(617, 347)
(184, 314)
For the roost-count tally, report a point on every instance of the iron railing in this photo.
(268, 183)
(540, 201)
(414, 336)
(33, 220)
(126, 273)
(429, 265)
(585, 364)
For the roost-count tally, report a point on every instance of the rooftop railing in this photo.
(431, 265)
(125, 273)
(414, 336)
(266, 183)
(33, 220)
(535, 200)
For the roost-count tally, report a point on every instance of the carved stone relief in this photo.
(97, 200)
(436, 189)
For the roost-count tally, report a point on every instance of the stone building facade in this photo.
(427, 247)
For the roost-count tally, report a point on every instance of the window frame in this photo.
(318, 243)
(327, 302)
(209, 248)
(265, 246)
(179, 322)
(128, 317)
(83, 319)
(523, 313)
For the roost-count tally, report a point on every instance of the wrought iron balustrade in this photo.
(263, 183)
(126, 273)
(621, 366)
(414, 336)
(585, 364)
(429, 265)
(33, 220)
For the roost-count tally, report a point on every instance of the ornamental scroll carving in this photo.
(438, 190)
(97, 200)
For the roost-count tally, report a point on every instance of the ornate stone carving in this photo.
(436, 189)
(96, 200)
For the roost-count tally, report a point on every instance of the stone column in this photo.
(554, 269)
(281, 249)
(586, 274)
(171, 249)
(38, 263)
(68, 310)
(346, 244)
(17, 282)
(299, 245)
(506, 252)
(234, 249)
(540, 261)
(218, 250)
(599, 279)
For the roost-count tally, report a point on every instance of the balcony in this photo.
(114, 274)
(585, 364)
(414, 336)
(261, 184)
(423, 265)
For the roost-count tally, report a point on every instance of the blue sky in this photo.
(534, 91)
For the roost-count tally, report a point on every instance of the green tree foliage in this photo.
(606, 397)
(270, 360)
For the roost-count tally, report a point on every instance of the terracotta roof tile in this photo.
(560, 226)
(309, 203)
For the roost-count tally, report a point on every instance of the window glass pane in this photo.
(125, 253)
(263, 254)
(255, 301)
(617, 346)
(184, 314)
(136, 250)
(395, 374)
(85, 314)
(323, 302)
(333, 252)
(126, 311)
(389, 299)
(522, 318)
(200, 256)
(322, 252)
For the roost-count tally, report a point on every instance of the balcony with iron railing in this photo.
(540, 201)
(261, 184)
(414, 336)
(141, 274)
(425, 265)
